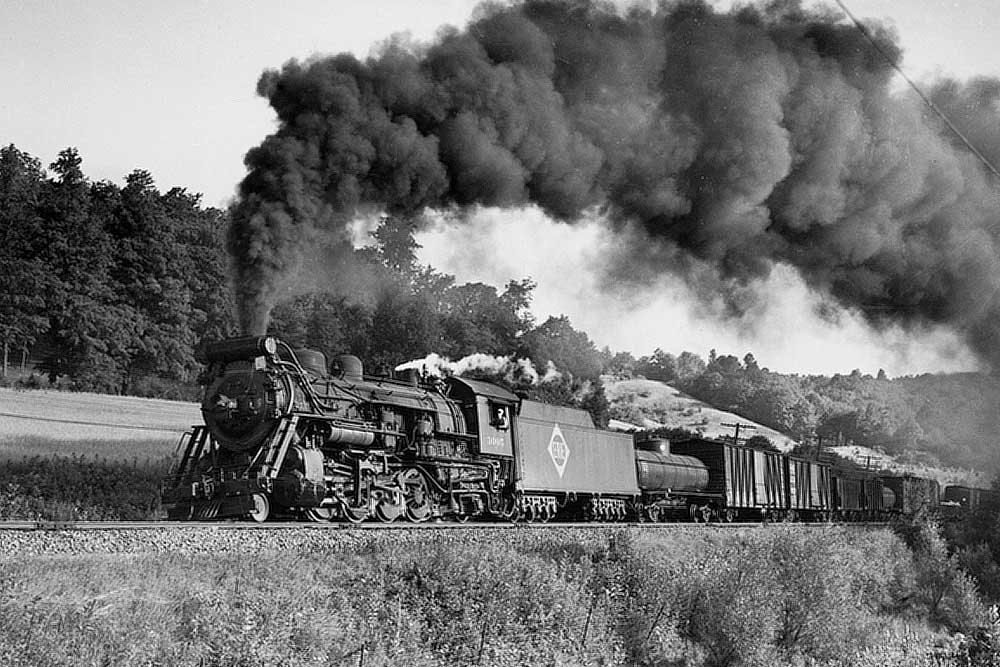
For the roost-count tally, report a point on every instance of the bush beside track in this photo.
(492, 597)
(80, 488)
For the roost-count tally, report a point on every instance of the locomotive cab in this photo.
(489, 411)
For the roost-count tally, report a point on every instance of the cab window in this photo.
(499, 416)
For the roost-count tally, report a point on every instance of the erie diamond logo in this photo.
(558, 450)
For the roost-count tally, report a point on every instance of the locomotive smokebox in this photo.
(235, 349)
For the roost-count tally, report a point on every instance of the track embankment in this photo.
(31, 539)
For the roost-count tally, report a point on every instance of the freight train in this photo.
(287, 437)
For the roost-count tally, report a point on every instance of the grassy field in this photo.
(777, 597)
(86, 456)
(112, 427)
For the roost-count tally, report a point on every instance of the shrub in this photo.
(77, 487)
(948, 594)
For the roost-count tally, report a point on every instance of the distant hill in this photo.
(941, 426)
(878, 460)
(651, 404)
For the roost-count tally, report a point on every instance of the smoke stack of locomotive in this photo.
(718, 144)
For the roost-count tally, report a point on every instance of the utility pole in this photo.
(738, 426)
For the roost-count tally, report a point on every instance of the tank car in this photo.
(671, 483)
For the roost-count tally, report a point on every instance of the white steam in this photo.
(791, 328)
(514, 370)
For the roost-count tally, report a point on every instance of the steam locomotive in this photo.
(286, 436)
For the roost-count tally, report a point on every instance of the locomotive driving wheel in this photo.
(354, 514)
(389, 506)
(418, 501)
(321, 514)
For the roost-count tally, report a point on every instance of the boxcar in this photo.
(875, 497)
(963, 496)
(957, 502)
(810, 494)
(912, 493)
(742, 482)
(848, 496)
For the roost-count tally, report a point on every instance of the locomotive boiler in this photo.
(284, 436)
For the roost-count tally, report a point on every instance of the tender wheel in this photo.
(729, 516)
(509, 510)
(695, 513)
(261, 510)
(653, 514)
(418, 502)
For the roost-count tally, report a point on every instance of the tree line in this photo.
(951, 419)
(114, 289)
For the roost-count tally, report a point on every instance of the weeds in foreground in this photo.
(776, 597)
(66, 488)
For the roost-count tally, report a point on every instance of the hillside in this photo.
(875, 459)
(652, 404)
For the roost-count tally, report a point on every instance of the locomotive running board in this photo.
(275, 455)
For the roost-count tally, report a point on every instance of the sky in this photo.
(170, 88)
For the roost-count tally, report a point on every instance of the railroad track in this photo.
(430, 525)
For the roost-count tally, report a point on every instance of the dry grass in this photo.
(149, 448)
(520, 597)
(667, 406)
(113, 427)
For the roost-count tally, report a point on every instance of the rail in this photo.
(442, 525)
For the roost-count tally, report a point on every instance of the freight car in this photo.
(860, 497)
(959, 501)
(744, 483)
(912, 494)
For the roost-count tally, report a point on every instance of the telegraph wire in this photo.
(930, 104)
(134, 427)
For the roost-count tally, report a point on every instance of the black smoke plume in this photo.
(732, 141)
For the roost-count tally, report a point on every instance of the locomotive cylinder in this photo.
(346, 436)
